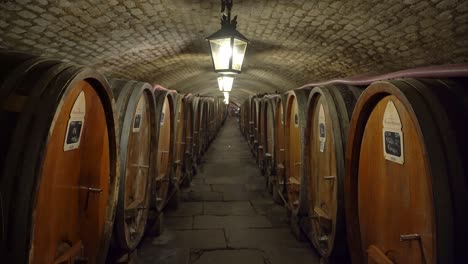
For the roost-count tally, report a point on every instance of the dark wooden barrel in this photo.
(406, 173)
(261, 135)
(189, 161)
(60, 172)
(251, 117)
(294, 126)
(180, 130)
(137, 119)
(270, 108)
(196, 151)
(164, 159)
(278, 184)
(328, 112)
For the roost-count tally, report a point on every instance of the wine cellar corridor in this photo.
(227, 215)
(233, 131)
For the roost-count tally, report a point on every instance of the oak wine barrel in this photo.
(261, 135)
(137, 119)
(197, 111)
(278, 184)
(294, 126)
(180, 130)
(406, 190)
(164, 158)
(189, 160)
(329, 109)
(59, 174)
(270, 106)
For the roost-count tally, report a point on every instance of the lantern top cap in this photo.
(228, 30)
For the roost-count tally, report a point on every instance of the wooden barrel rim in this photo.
(418, 109)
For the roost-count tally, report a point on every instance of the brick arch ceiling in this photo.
(294, 42)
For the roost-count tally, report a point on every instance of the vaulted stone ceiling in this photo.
(294, 42)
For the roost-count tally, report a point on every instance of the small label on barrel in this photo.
(322, 127)
(161, 121)
(296, 116)
(138, 115)
(75, 123)
(392, 135)
(178, 115)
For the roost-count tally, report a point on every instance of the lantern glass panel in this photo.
(221, 51)
(240, 47)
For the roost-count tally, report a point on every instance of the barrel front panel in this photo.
(395, 196)
(293, 153)
(322, 172)
(73, 192)
(269, 129)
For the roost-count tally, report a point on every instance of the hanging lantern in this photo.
(225, 83)
(227, 46)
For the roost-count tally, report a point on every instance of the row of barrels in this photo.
(84, 160)
(375, 174)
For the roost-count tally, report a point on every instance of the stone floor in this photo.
(226, 215)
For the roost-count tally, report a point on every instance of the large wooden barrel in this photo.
(328, 112)
(270, 108)
(197, 111)
(164, 159)
(294, 126)
(137, 119)
(180, 137)
(59, 177)
(261, 135)
(406, 173)
(278, 184)
(189, 161)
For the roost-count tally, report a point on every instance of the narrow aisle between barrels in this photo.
(226, 215)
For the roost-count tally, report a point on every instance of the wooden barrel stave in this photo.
(57, 91)
(422, 115)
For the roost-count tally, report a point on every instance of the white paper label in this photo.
(138, 118)
(392, 135)
(75, 124)
(322, 128)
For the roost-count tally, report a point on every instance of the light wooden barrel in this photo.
(180, 137)
(189, 160)
(59, 179)
(406, 173)
(137, 119)
(164, 158)
(278, 184)
(295, 122)
(328, 112)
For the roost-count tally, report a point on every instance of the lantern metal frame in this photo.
(228, 31)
